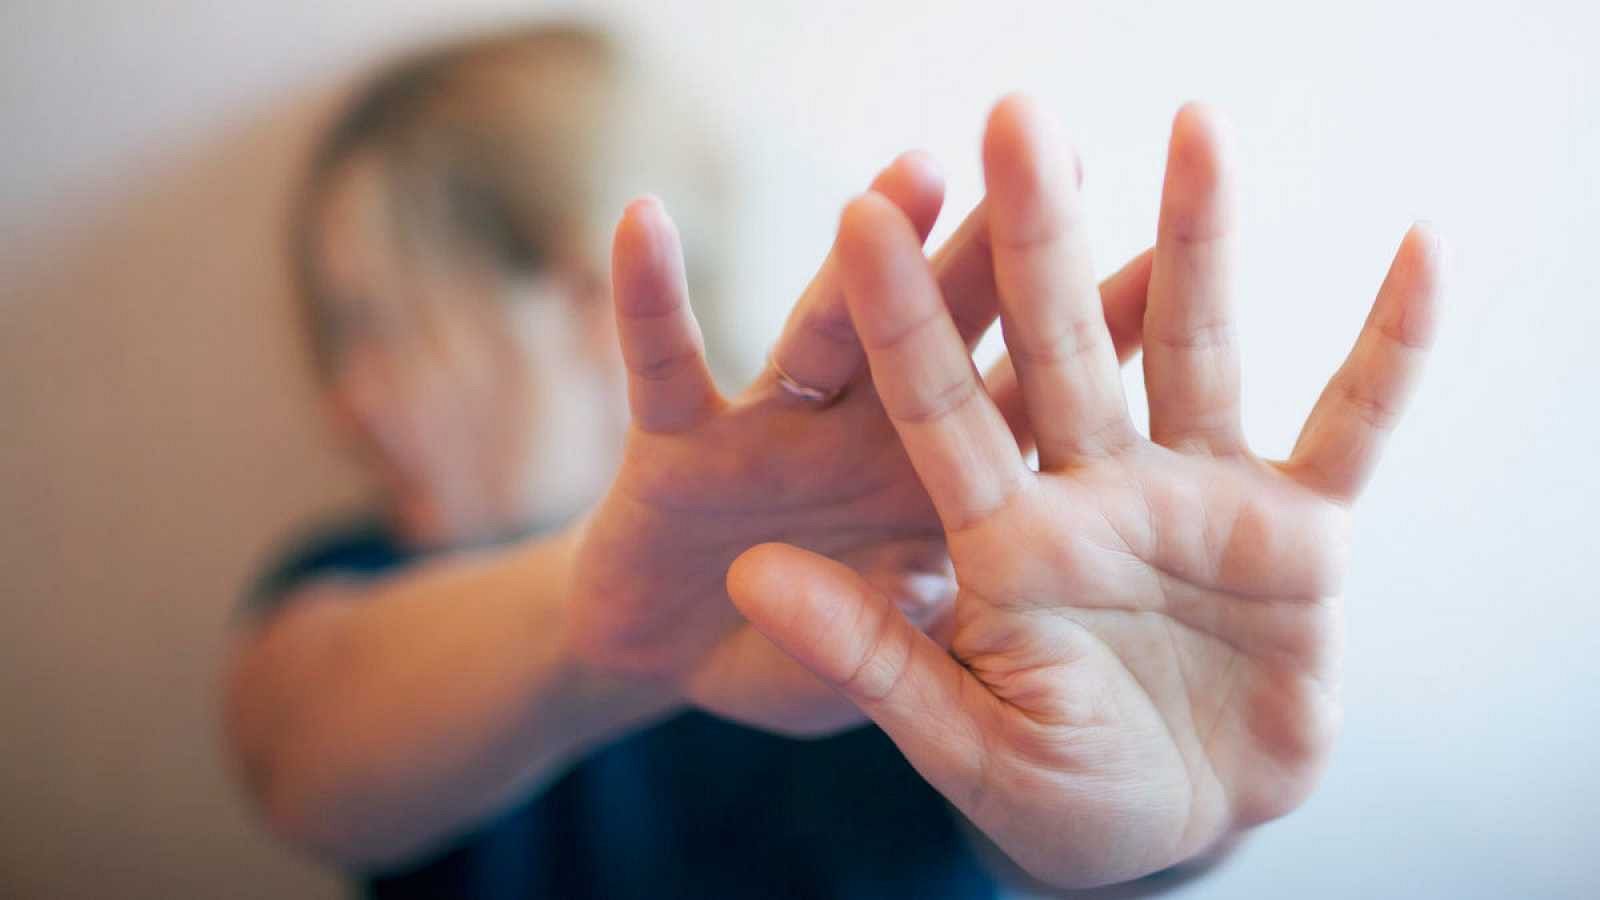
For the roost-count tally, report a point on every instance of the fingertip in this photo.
(1415, 280)
(645, 203)
(1195, 201)
(645, 225)
(1013, 113)
(1426, 246)
(915, 183)
(645, 257)
(1197, 150)
(1198, 119)
(915, 170)
(865, 221)
(1424, 252)
(748, 576)
(781, 589)
(1009, 132)
(1022, 149)
(1143, 263)
(886, 279)
(866, 204)
(772, 564)
(922, 164)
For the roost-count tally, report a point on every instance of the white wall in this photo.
(158, 432)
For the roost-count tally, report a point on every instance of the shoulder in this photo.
(355, 546)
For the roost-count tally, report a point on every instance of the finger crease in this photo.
(1079, 339)
(665, 368)
(1375, 412)
(944, 402)
(1207, 336)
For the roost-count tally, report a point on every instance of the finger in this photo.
(964, 269)
(1122, 299)
(1006, 394)
(669, 384)
(1191, 358)
(835, 624)
(1049, 308)
(819, 348)
(1345, 433)
(957, 441)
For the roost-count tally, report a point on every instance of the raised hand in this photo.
(805, 455)
(1143, 652)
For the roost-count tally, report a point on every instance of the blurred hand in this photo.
(815, 464)
(1143, 652)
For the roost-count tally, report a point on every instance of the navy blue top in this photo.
(692, 807)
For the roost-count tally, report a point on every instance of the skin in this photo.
(1143, 658)
(703, 477)
(1138, 664)
(437, 383)
(459, 685)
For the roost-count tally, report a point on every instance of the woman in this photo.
(1143, 651)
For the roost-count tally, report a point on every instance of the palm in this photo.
(1172, 607)
(1143, 651)
(685, 505)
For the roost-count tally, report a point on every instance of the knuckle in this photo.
(1398, 331)
(884, 663)
(1368, 406)
(1041, 234)
(937, 404)
(904, 333)
(664, 368)
(1080, 337)
(832, 325)
(1201, 336)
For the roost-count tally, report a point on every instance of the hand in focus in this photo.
(1143, 651)
(704, 477)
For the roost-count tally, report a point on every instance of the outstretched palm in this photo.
(704, 478)
(1143, 655)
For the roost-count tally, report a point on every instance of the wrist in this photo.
(598, 702)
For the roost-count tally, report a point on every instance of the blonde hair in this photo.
(512, 149)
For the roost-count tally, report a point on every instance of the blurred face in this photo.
(483, 402)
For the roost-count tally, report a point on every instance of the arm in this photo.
(374, 719)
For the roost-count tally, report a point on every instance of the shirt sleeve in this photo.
(362, 548)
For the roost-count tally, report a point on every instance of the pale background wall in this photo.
(157, 433)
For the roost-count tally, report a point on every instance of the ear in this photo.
(354, 404)
(338, 412)
(360, 402)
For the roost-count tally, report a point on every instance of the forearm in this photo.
(374, 720)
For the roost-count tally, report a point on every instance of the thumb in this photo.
(851, 636)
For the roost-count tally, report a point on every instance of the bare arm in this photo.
(375, 719)
(372, 720)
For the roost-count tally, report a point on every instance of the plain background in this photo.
(158, 430)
